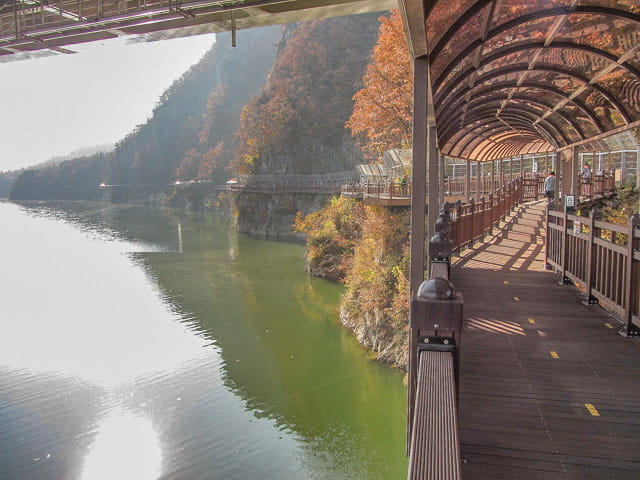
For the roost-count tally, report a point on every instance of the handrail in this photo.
(602, 257)
(434, 450)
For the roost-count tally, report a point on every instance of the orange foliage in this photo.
(189, 166)
(382, 110)
(211, 161)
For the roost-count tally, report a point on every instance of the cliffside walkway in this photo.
(548, 388)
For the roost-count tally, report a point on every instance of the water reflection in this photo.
(216, 345)
(71, 317)
(126, 447)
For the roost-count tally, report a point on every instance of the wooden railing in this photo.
(436, 317)
(602, 257)
(474, 220)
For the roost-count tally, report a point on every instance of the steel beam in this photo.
(418, 211)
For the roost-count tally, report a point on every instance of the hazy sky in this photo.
(51, 106)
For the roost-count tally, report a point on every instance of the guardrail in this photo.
(474, 220)
(602, 257)
(436, 316)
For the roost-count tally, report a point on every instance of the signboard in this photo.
(570, 201)
(577, 227)
(534, 167)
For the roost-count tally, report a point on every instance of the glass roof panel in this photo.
(510, 59)
(630, 6)
(566, 70)
(469, 32)
(507, 10)
(614, 35)
(531, 31)
(443, 15)
(634, 61)
(600, 106)
(582, 62)
(463, 66)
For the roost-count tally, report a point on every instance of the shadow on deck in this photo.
(548, 387)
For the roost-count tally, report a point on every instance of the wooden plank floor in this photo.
(549, 389)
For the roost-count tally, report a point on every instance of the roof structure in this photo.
(507, 77)
(31, 28)
(510, 77)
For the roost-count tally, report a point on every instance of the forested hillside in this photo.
(297, 123)
(277, 103)
(197, 113)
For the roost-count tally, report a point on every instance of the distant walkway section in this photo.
(548, 388)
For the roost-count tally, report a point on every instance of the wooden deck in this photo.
(549, 389)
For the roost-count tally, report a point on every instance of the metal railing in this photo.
(602, 257)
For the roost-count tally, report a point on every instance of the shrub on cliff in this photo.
(331, 236)
(376, 301)
(368, 248)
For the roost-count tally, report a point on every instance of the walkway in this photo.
(549, 390)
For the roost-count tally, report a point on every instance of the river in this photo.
(142, 343)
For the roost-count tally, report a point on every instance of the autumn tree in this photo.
(189, 166)
(300, 113)
(382, 112)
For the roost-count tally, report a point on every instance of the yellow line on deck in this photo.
(608, 325)
(592, 410)
(554, 354)
(532, 321)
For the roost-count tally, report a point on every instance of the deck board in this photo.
(523, 412)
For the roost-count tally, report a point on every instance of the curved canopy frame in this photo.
(511, 76)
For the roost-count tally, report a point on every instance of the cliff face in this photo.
(296, 125)
(272, 216)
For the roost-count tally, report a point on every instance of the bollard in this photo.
(437, 309)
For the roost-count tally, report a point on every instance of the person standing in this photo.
(550, 186)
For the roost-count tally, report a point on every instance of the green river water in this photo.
(141, 343)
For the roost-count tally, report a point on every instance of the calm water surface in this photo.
(140, 343)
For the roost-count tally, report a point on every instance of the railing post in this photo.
(565, 246)
(593, 216)
(546, 238)
(491, 213)
(632, 284)
(481, 204)
(473, 219)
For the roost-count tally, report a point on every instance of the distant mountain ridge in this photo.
(277, 103)
(77, 153)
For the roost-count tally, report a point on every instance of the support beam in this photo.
(575, 171)
(467, 181)
(478, 179)
(440, 180)
(433, 159)
(418, 211)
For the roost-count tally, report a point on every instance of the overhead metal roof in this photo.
(510, 77)
(506, 76)
(30, 27)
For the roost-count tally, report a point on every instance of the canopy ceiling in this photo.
(30, 28)
(506, 76)
(511, 77)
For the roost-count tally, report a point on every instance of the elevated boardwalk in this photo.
(549, 389)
